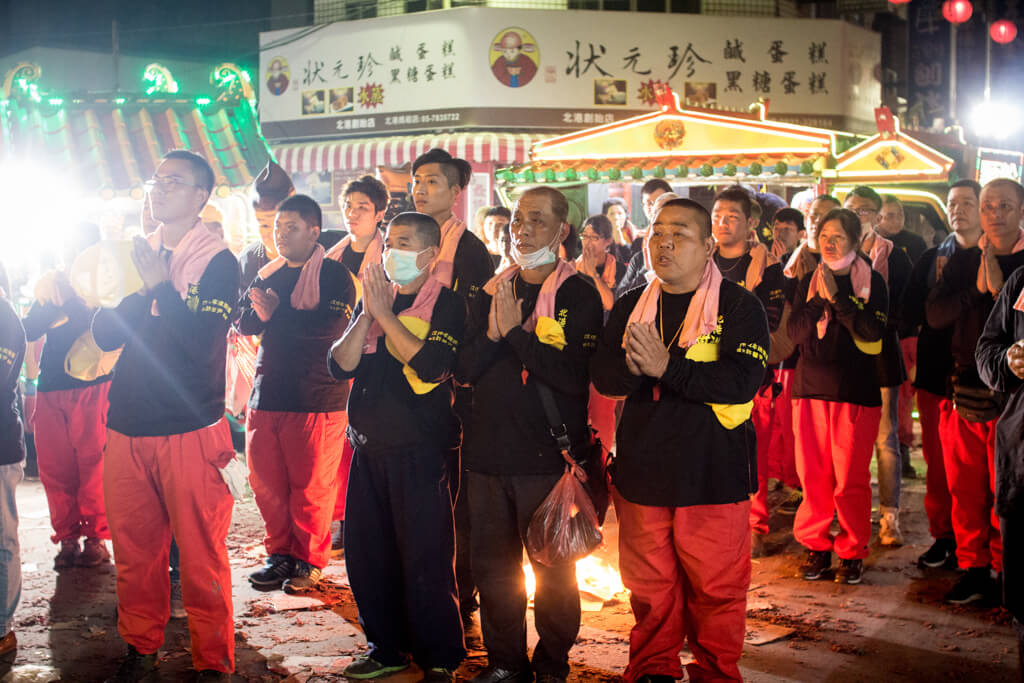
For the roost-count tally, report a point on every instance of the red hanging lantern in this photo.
(899, 2)
(1003, 31)
(957, 11)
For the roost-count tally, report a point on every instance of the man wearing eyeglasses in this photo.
(962, 300)
(166, 434)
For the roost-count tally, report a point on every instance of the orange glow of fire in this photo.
(594, 577)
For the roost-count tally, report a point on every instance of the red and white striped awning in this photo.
(367, 154)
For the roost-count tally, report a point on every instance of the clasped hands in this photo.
(645, 351)
(506, 312)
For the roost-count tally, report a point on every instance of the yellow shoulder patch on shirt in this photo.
(870, 348)
(706, 350)
(419, 328)
(732, 415)
(549, 332)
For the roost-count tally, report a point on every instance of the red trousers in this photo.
(341, 488)
(776, 445)
(156, 485)
(293, 468)
(938, 504)
(688, 570)
(601, 410)
(70, 432)
(969, 455)
(763, 417)
(834, 445)
(905, 427)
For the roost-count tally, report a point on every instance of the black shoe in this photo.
(212, 676)
(275, 572)
(850, 571)
(974, 585)
(550, 678)
(337, 538)
(656, 678)
(304, 577)
(495, 674)
(938, 555)
(437, 675)
(789, 506)
(818, 563)
(135, 668)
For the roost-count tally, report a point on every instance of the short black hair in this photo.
(655, 184)
(601, 225)
(974, 186)
(848, 221)
(201, 169)
(426, 227)
(790, 215)
(827, 198)
(306, 207)
(891, 199)
(1007, 182)
(498, 211)
(614, 201)
(740, 196)
(372, 188)
(456, 170)
(703, 217)
(559, 204)
(865, 192)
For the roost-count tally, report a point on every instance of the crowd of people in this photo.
(415, 386)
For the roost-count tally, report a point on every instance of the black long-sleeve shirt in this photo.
(170, 376)
(674, 451)
(934, 355)
(59, 340)
(833, 368)
(891, 370)
(12, 355)
(508, 432)
(290, 373)
(383, 409)
(910, 243)
(1003, 328)
(472, 266)
(956, 303)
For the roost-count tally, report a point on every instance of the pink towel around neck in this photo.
(881, 247)
(306, 295)
(190, 257)
(371, 255)
(422, 307)
(444, 265)
(860, 278)
(546, 299)
(701, 315)
(608, 274)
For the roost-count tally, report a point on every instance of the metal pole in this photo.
(988, 60)
(116, 48)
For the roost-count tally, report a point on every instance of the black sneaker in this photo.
(366, 667)
(275, 572)
(437, 675)
(789, 506)
(938, 555)
(817, 564)
(974, 585)
(135, 668)
(850, 571)
(656, 678)
(304, 577)
(212, 676)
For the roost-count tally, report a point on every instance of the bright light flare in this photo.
(593, 576)
(40, 205)
(996, 120)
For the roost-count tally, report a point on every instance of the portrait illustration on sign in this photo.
(609, 91)
(313, 102)
(514, 57)
(277, 76)
(342, 100)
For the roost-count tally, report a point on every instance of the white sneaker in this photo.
(890, 534)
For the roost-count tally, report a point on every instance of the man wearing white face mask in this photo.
(534, 324)
(400, 354)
